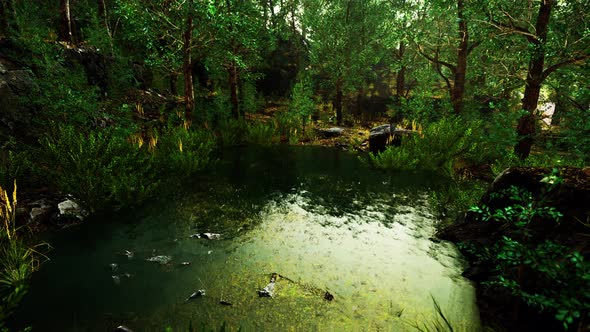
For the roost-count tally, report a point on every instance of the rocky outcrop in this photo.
(16, 117)
(95, 64)
(383, 135)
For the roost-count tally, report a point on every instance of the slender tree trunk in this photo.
(526, 128)
(461, 67)
(232, 71)
(233, 88)
(189, 92)
(65, 28)
(400, 78)
(338, 102)
(103, 15)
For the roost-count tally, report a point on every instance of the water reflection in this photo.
(317, 217)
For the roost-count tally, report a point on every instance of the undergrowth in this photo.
(561, 284)
(18, 260)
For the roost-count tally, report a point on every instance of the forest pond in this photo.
(316, 216)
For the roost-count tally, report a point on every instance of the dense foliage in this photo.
(561, 280)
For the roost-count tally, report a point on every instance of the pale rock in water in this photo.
(161, 259)
(199, 293)
(208, 236)
(71, 208)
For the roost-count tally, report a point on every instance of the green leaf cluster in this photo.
(556, 277)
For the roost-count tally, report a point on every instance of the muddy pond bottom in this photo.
(365, 239)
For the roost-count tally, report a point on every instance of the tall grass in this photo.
(18, 260)
(262, 133)
(440, 323)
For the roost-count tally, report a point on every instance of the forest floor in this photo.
(355, 136)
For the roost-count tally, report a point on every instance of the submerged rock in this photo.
(161, 259)
(116, 280)
(268, 291)
(328, 296)
(129, 254)
(208, 236)
(199, 293)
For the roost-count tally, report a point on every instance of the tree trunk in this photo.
(461, 67)
(173, 84)
(526, 128)
(65, 18)
(189, 92)
(103, 15)
(233, 88)
(4, 17)
(338, 102)
(400, 78)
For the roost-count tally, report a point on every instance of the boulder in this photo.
(69, 208)
(42, 212)
(95, 64)
(15, 115)
(330, 132)
(383, 135)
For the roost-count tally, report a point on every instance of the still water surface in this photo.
(316, 216)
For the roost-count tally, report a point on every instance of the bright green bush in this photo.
(182, 152)
(262, 133)
(439, 145)
(302, 104)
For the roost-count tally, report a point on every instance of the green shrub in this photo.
(262, 133)
(576, 133)
(289, 126)
(562, 275)
(440, 144)
(455, 198)
(549, 159)
(231, 132)
(493, 137)
(100, 169)
(182, 152)
(302, 104)
(17, 165)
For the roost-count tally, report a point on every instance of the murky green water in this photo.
(316, 216)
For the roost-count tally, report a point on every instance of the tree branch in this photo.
(435, 60)
(512, 28)
(472, 47)
(558, 65)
